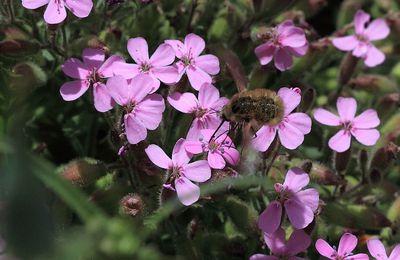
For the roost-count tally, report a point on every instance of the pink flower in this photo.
(361, 42)
(299, 204)
(156, 66)
(91, 72)
(181, 173)
(377, 250)
(347, 244)
(362, 127)
(204, 109)
(291, 129)
(285, 41)
(142, 111)
(298, 242)
(220, 148)
(55, 12)
(198, 68)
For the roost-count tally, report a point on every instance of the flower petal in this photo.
(183, 102)
(135, 130)
(367, 137)
(360, 19)
(367, 119)
(119, 90)
(325, 117)
(215, 160)
(74, 68)
(347, 244)
(376, 249)
(142, 85)
(395, 254)
(231, 156)
(270, 219)
(378, 29)
(374, 57)
(208, 63)
(263, 257)
(102, 99)
(79, 8)
(310, 198)
(188, 193)
(290, 136)
(299, 214)
(340, 142)
(301, 121)
(127, 70)
(180, 156)
(168, 74)
(298, 51)
(55, 12)
(194, 147)
(283, 60)
(138, 49)
(291, 99)
(325, 249)
(73, 89)
(293, 37)
(208, 95)
(178, 46)
(194, 44)
(197, 77)
(107, 69)
(265, 53)
(298, 242)
(158, 156)
(150, 111)
(346, 43)
(197, 171)
(296, 179)
(163, 56)
(346, 108)
(357, 257)
(93, 58)
(276, 241)
(264, 138)
(33, 4)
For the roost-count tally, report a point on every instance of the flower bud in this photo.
(388, 103)
(308, 99)
(26, 76)
(342, 160)
(394, 212)
(384, 156)
(132, 205)
(325, 176)
(363, 160)
(373, 83)
(18, 48)
(347, 67)
(375, 176)
(83, 172)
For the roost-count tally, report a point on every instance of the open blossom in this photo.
(362, 127)
(180, 173)
(92, 72)
(347, 244)
(55, 11)
(361, 42)
(291, 129)
(298, 242)
(204, 109)
(142, 110)
(300, 205)
(157, 66)
(377, 250)
(197, 67)
(283, 42)
(219, 147)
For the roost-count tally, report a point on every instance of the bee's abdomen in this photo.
(266, 109)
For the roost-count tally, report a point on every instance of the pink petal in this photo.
(168, 74)
(74, 68)
(135, 130)
(197, 171)
(263, 257)
(194, 44)
(283, 60)
(293, 37)
(299, 214)
(231, 156)
(395, 253)
(346, 108)
(188, 193)
(376, 249)
(346, 43)
(264, 137)
(178, 46)
(93, 58)
(377, 30)
(55, 12)
(127, 70)
(194, 147)
(158, 156)
(301, 121)
(79, 8)
(219, 104)
(265, 52)
(102, 99)
(194, 130)
(360, 19)
(298, 51)
(180, 156)
(340, 142)
(285, 25)
(291, 99)
(298, 242)
(296, 179)
(197, 77)
(183, 102)
(142, 85)
(347, 244)
(361, 50)
(357, 257)
(270, 218)
(209, 63)
(150, 111)
(119, 90)
(374, 57)
(310, 198)
(33, 4)
(163, 56)
(327, 118)
(73, 89)
(367, 137)
(208, 95)
(215, 160)
(276, 241)
(367, 119)
(325, 249)
(290, 136)
(138, 49)
(107, 69)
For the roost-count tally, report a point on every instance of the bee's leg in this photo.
(216, 130)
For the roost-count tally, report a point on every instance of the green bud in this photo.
(83, 172)
(18, 48)
(26, 76)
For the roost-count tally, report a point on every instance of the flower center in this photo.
(347, 125)
(145, 67)
(93, 76)
(187, 60)
(272, 36)
(362, 38)
(130, 107)
(200, 112)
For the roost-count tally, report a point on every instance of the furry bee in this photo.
(255, 107)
